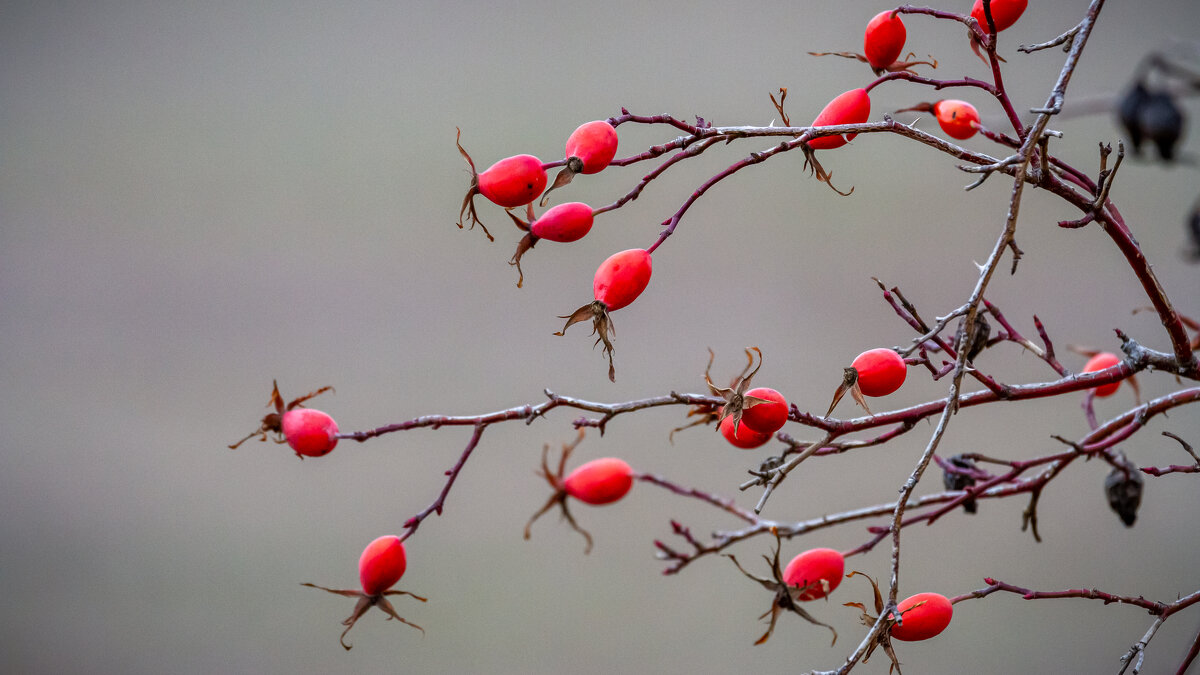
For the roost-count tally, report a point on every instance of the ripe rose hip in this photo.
(311, 433)
(590, 149)
(957, 118)
(817, 571)
(618, 281)
(594, 144)
(563, 223)
(600, 481)
(1100, 362)
(880, 371)
(768, 417)
(621, 278)
(1004, 13)
(382, 564)
(745, 438)
(925, 615)
(883, 40)
(511, 182)
(852, 107)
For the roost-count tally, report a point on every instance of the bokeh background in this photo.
(196, 198)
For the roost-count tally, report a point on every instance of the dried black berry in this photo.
(1127, 112)
(1161, 121)
(958, 481)
(1124, 490)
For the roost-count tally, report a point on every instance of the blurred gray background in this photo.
(196, 198)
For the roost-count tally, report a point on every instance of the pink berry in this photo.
(563, 223)
(513, 181)
(852, 107)
(622, 277)
(309, 432)
(957, 118)
(594, 144)
(884, 39)
(880, 371)
(1100, 362)
(818, 571)
(381, 564)
(600, 481)
(924, 616)
(1004, 13)
(766, 418)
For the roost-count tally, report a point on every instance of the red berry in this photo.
(1004, 13)
(1100, 362)
(924, 621)
(766, 418)
(818, 571)
(852, 107)
(513, 181)
(746, 438)
(309, 432)
(565, 222)
(622, 278)
(595, 144)
(880, 371)
(600, 481)
(382, 564)
(957, 118)
(884, 39)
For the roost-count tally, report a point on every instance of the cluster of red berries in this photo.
(883, 43)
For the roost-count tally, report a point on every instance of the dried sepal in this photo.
(736, 400)
(895, 67)
(272, 423)
(527, 242)
(468, 205)
(849, 384)
(559, 497)
(365, 603)
(602, 328)
(885, 636)
(783, 116)
(565, 176)
(816, 170)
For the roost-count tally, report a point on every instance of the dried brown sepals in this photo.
(565, 176)
(365, 603)
(815, 169)
(849, 384)
(272, 422)
(559, 497)
(736, 400)
(885, 637)
(602, 328)
(468, 205)
(906, 65)
(527, 242)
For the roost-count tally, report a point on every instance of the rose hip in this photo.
(815, 573)
(380, 566)
(883, 41)
(598, 482)
(852, 107)
(924, 616)
(618, 281)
